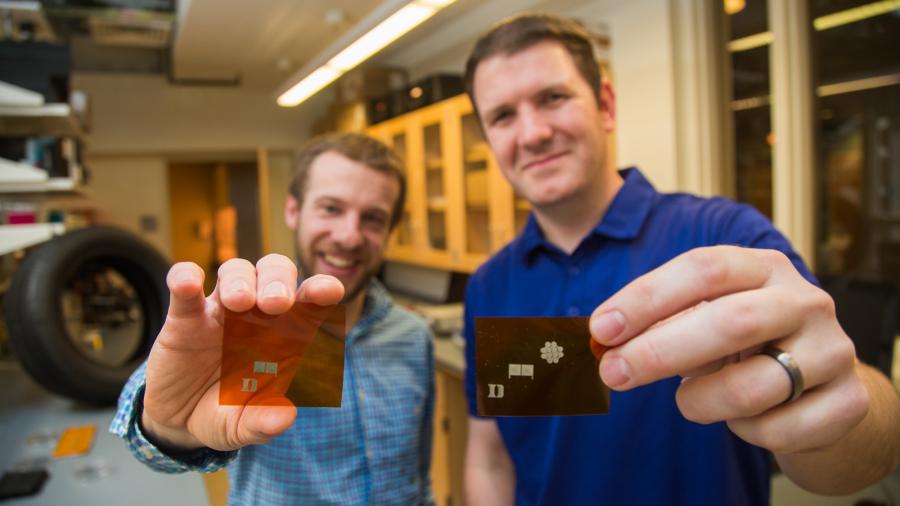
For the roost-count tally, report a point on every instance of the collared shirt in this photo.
(374, 449)
(644, 451)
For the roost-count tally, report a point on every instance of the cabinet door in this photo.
(459, 207)
(493, 213)
(403, 242)
(430, 157)
(478, 183)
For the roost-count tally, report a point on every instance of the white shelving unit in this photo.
(23, 113)
(16, 237)
(18, 177)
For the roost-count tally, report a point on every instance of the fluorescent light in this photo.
(750, 42)
(389, 30)
(826, 90)
(855, 14)
(440, 4)
(821, 23)
(320, 78)
(380, 36)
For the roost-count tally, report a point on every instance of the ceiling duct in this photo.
(124, 30)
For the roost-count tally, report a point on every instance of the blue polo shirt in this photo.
(644, 451)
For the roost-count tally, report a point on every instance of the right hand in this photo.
(181, 400)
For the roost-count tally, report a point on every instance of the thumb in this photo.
(321, 289)
(259, 424)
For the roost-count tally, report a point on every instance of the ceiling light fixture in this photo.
(383, 26)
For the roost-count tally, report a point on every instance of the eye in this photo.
(330, 209)
(554, 97)
(376, 221)
(500, 117)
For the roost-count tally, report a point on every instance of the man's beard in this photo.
(350, 292)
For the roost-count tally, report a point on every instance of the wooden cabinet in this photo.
(459, 208)
(450, 434)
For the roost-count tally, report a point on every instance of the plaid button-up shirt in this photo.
(374, 449)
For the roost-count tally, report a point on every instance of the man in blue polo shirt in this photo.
(748, 359)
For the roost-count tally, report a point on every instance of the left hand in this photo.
(705, 315)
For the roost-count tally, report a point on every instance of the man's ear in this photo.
(291, 212)
(608, 105)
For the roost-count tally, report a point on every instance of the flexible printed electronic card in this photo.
(298, 355)
(538, 367)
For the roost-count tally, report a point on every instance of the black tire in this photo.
(34, 309)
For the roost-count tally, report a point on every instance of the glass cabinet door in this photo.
(394, 134)
(435, 194)
(475, 187)
(404, 226)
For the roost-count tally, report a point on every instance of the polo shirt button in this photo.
(573, 311)
(574, 271)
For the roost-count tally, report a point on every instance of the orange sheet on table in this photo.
(295, 357)
(75, 441)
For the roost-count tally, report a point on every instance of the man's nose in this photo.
(534, 130)
(346, 232)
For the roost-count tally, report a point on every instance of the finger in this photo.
(321, 289)
(739, 390)
(759, 383)
(698, 275)
(236, 287)
(276, 281)
(723, 327)
(259, 424)
(185, 282)
(816, 420)
(711, 367)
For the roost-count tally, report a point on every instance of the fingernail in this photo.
(275, 289)
(615, 371)
(240, 286)
(184, 277)
(607, 326)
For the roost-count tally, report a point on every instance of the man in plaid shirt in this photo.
(346, 196)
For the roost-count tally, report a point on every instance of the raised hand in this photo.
(706, 315)
(181, 407)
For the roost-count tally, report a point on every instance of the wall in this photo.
(139, 123)
(144, 114)
(125, 188)
(642, 61)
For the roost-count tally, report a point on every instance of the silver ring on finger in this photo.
(790, 366)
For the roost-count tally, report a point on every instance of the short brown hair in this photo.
(521, 31)
(359, 148)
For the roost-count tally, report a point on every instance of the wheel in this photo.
(83, 310)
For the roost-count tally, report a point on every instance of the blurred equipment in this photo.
(433, 88)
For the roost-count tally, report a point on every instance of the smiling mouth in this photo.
(339, 262)
(543, 161)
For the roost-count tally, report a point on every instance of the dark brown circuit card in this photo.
(298, 355)
(537, 367)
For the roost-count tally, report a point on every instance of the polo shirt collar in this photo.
(623, 220)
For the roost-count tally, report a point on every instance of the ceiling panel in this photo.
(260, 42)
